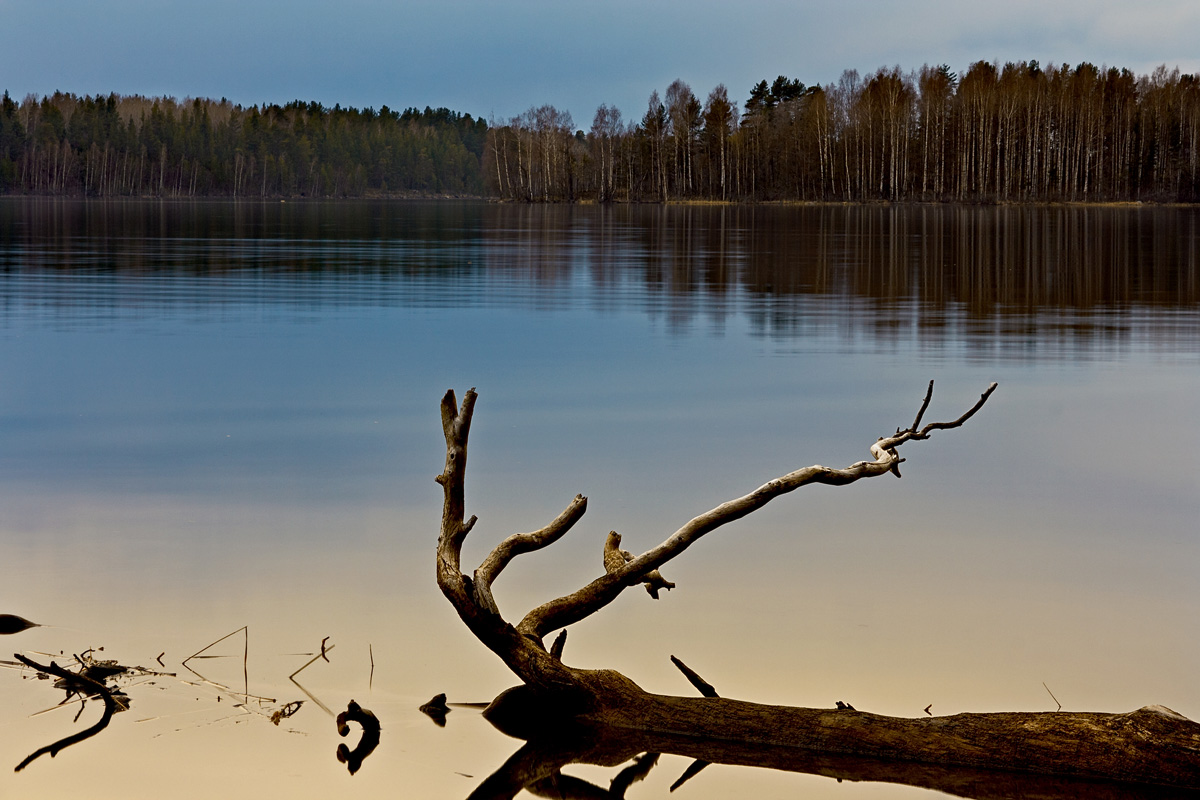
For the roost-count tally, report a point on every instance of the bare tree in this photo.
(1152, 745)
(720, 121)
(654, 128)
(606, 129)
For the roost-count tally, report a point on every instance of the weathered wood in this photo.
(1149, 746)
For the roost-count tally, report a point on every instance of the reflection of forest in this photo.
(1008, 273)
(1009, 278)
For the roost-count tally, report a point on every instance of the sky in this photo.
(495, 60)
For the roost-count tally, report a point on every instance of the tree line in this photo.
(1013, 133)
(1016, 133)
(119, 146)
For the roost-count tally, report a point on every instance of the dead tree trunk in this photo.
(1152, 746)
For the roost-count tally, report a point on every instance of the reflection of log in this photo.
(1149, 746)
(76, 683)
(581, 743)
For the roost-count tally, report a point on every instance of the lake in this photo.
(219, 430)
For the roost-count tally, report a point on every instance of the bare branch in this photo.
(925, 405)
(937, 426)
(520, 543)
(524, 655)
(574, 607)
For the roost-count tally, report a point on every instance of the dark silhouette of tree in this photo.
(1017, 132)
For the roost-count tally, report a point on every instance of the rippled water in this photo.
(216, 416)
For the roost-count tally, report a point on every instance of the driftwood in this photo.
(1150, 746)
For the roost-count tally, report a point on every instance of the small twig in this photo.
(312, 696)
(941, 426)
(704, 687)
(371, 679)
(321, 654)
(928, 396)
(1052, 696)
(217, 642)
(246, 664)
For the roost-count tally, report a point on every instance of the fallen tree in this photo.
(1150, 746)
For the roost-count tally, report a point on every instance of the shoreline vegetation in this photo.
(1013, 134)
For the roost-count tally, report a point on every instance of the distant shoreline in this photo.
(697, 203)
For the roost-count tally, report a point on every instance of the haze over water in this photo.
(216, 415)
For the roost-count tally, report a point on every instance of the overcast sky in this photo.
(499, 58)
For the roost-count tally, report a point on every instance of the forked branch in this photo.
(521, 647)
(602, 591)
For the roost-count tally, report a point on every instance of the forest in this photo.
(135, 146)
(1019, 132)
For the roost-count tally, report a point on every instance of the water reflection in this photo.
(537, 768)
(1001, 281)
(89, 681)
(369, 723)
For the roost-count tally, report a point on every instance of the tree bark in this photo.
(1150, 746)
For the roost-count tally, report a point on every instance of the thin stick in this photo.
(1052, 696)
(313, 697)
(928, 396)
(314, 658)
(217, 642)
(371, 680)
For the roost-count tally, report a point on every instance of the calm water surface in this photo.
(217, 417)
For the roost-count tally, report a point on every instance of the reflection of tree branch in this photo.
(84, 686)
(635, 772)
(537, 765)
